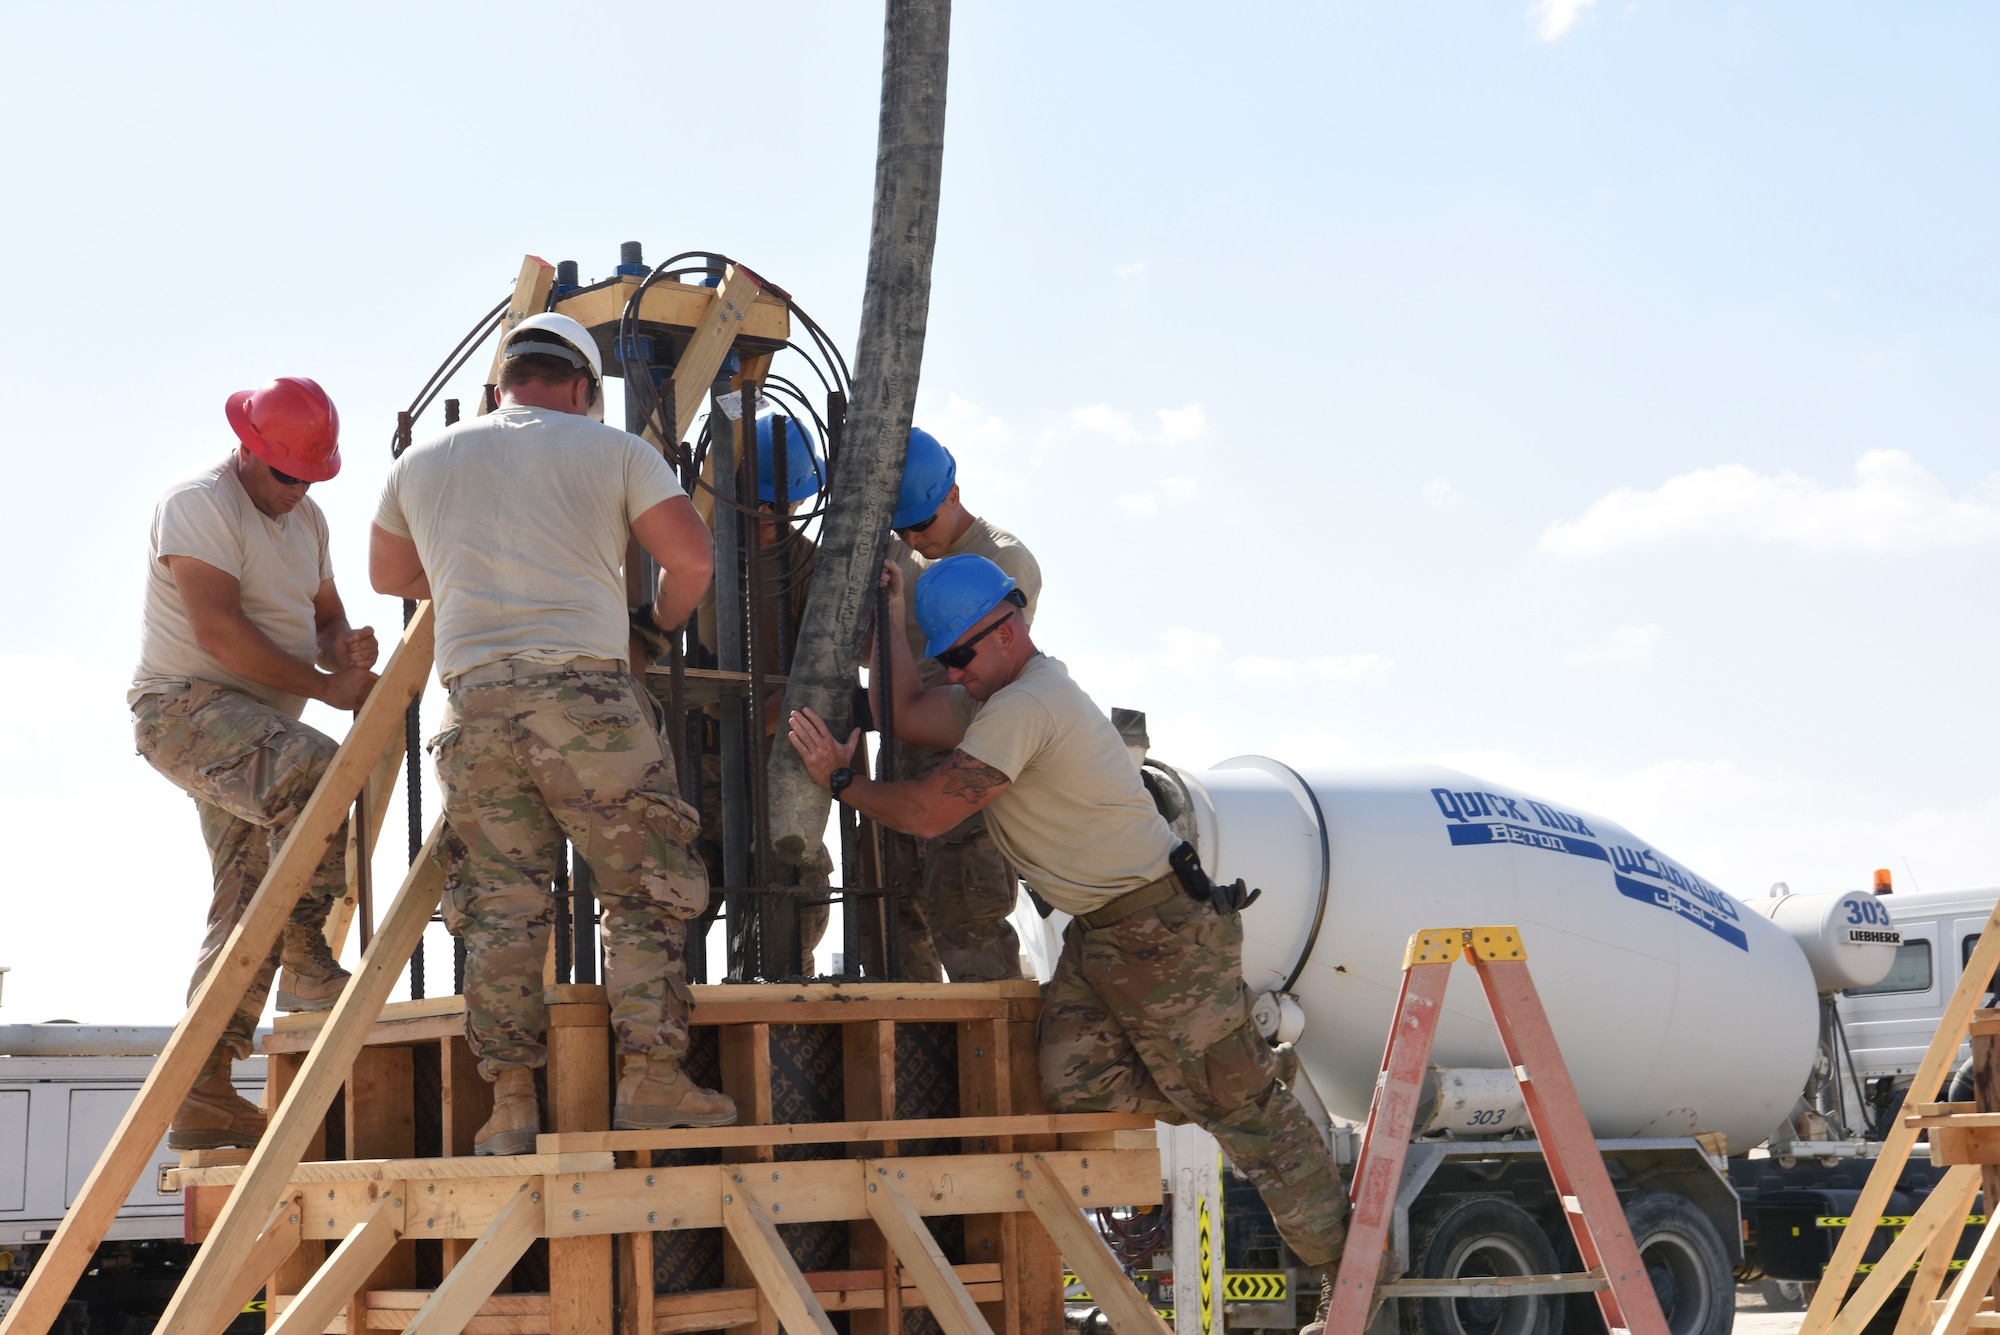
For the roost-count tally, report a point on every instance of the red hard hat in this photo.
(291, 425)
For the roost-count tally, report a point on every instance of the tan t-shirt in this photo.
(1075, 822)
(521, 518)
(980, 538)
(278, 564)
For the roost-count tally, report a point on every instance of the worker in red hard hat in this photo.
(242, 625)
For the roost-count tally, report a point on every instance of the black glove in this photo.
(649, 631)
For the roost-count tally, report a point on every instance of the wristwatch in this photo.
(837, 781)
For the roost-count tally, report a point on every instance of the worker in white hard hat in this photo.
(515, 525)
(954, 909)
(1147, 1011)
(242, 626)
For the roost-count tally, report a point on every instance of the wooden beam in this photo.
(918, 1251)
(679, 305)
(323, 1297)
(472, 1281)
(1895, 1152)
(325, 1069)
(822, 1133)
(1975, 1282)
(531, 295)
(274, 1245)
(777, 1273)
(1944, 1209)
(380, 788)
(130, 1151)
(727, 311)
(392, 1170)
(1917, 1317)
(1086, 1252)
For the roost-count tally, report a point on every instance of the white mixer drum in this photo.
(1678, 1009)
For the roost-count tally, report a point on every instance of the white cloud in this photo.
(1439, 492)
(1553, 18)
(1131, 273)
(1266, 671)
(1893, 505)
(1165, 492)
(1171, 426)
(1180, 425)
(1626, 644)
(1352, 667)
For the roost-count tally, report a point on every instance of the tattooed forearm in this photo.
(970, 779)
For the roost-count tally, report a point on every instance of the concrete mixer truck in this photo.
(1701, 1031)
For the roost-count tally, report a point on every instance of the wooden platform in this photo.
(889, 1138)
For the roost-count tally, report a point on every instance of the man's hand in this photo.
(356, 648)
(817, 748)
(647, 629)
(348, 687)
(892, 580)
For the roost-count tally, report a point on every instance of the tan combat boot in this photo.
(516, 1119)
(654, 1093)
(1386, 1272)
(312, 978)
(215, 1116)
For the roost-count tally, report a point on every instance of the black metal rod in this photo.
(885, 761)
(730, 657)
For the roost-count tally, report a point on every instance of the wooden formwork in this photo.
(892, 1155)
(1965, 1140)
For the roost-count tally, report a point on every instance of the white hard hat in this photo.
(552, 327)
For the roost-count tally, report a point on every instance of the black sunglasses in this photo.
(919, 528)
(959, 655)
(287, 480)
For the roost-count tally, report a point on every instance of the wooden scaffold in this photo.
(1964, 1138)
(1014, 1177)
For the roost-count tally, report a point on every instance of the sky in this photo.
(1596, 397)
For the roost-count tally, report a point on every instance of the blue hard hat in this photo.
(928, 472)
(953, 594)
(804, 475)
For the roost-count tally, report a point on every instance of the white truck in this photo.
(1737, 1059)
(63, 1089)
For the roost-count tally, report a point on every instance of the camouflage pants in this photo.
(250, 770)
(526, 764)
(957, 893)
(1150, 1015)
(817, 873)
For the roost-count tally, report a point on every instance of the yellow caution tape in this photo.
(1256, 1286)
(1887, 1220)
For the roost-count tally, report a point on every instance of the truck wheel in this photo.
(1481, 1237)
(1686, 1260)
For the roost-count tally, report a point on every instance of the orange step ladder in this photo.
(1614, 1271)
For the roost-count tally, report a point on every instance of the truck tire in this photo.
(1686, 1261)
(1478, 1237)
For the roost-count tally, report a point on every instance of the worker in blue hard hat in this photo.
(787, 562)
(1147, 1011)
(959, 891)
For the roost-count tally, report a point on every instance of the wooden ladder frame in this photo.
(1963, 1137)
(1614, 1271)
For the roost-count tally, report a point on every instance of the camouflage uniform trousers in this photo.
(957, 893)
(818, 873)
(526, 764)
(1149, 1014)
(250, 770)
